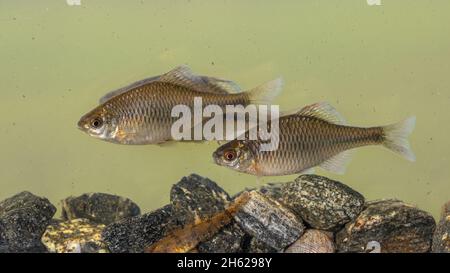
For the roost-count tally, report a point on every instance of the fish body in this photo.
(141, 113)
(314, 136)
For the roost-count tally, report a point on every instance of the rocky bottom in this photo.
(311, 214)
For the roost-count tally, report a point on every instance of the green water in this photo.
(375, 64)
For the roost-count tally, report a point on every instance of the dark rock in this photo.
(23, 219)
(313, 241)
(136, 233)
(268, 221)
(441, 238)
(101, 208)
(228, 240)
(321, 202)
(256, 246)
(394, 225)
(197, 198)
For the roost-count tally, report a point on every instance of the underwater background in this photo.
(376, 64)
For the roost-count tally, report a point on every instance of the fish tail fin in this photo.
(396, 137)
(266, 93)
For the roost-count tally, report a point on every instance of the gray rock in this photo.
(441, 238)
(228, 240)
(321, 202)
(268, 221)
(313, 241)
(23, 219)
(101, 208)
(392, 224)
(197, 198)
(136, 233)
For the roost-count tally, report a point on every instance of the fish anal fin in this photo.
(321, 110)
(338, 163)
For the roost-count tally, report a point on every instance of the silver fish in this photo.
(141, 112)
(314, 136)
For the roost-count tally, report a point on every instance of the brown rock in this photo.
(394, 225)
(441, 238)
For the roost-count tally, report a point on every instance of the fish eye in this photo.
(96, 122)
(229, 155)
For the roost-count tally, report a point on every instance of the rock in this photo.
(135, 233)
(268, 221)
(197, 198)
(187, 237)
(321, 202)
(74, 236)
(256, 246)
(441, 238)
(228, 240)
(313, 241)
(272, 190)
(394, 225)
(100, 208)
(23, 219)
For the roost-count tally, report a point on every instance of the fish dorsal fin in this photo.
(321, 110)
(122, 90)
(338, 163)
(183, 76)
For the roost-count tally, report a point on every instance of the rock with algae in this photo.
(394, 225)
(23, 219)
(313, 241)
(321, 202)
(100, 208)
(74, 236)
(441, 238)
(269, 221)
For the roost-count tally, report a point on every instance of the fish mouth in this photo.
(81, 125)
(215, 157)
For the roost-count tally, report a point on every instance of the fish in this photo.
(140, 113)
(314, 136)
(186, 238)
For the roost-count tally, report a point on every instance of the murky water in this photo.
(375, 64)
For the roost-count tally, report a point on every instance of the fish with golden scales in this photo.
(314, 136)
(185, 239)
(141, 112)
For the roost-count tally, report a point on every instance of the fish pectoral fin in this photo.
(122, 90)
(321, 110)
(183, 76)
(338, 163)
